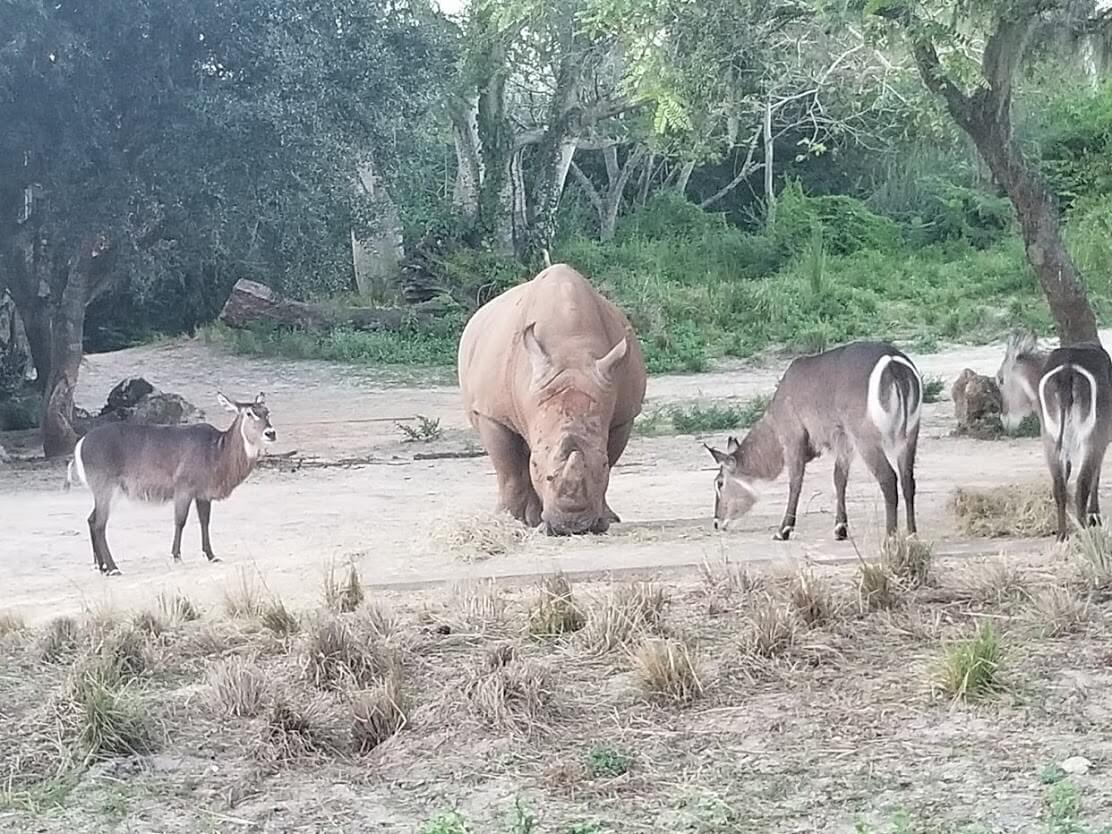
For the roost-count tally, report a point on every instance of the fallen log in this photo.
(252, 304)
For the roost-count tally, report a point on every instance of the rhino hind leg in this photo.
(510, 457)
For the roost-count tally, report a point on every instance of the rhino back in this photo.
(573, 321)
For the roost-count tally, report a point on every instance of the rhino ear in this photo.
(538, 357)
(606, 365)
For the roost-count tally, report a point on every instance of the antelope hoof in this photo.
(1094, 520)
(783, 534)
(176, 557)
(111, 571)
(212, 558)
(841, 531)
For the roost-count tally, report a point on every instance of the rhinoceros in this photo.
(552, 378)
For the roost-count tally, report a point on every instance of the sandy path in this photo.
(291, 525)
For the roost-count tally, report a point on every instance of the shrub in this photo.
(970, 668)
(667, 669)
(555, 611)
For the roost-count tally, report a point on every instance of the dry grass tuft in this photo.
(772, 628)
(1091, 549)
(514, 694)
(379, 714)
(279, 620)
(294, 726)
(909, 560)
(1024, 510)
(148, 623)
(970, 668)
(60, 639)
(813, 599)
(245, 598)
(480, 536)
(996, 582)
(480, 604)
(877, 588)
(125, 653)
(667, 669)
(1060, 611)
(730, 578)
(333, 656)
(376, 620)
(555, 611)
(177, 608)
(627, 613)
(11, 624)
(342, 597)
(238, 686)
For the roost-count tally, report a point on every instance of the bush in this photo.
(848, 224)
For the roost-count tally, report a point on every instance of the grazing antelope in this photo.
(864, 397)
(182, 464)
(1018, 379)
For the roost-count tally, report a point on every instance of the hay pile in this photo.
(480, 536)
(1023, 510)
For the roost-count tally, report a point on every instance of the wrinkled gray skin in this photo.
(1018, 380)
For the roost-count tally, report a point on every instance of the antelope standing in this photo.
(1072, 390)
(864, 397)
(182, 464)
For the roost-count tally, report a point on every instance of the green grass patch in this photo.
(703, 418)
(970, 668)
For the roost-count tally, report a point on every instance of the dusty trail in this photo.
(291, 524)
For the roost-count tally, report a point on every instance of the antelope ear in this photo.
(224, 401)
(260, 399)
(719, 457)
(538, 357)
(732, 445)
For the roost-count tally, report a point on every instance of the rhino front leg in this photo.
(510, 456)
(619, 437)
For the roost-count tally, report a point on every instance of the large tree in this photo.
(969, 53)
(151, 142)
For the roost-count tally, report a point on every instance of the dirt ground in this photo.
(363, 497)
(845, 732)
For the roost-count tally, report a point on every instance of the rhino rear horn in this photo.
(606, 364)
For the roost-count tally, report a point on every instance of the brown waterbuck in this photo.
(1071, 388)
(182, 464)
(863, 397)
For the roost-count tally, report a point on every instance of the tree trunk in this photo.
(1036, 207)
(377, 251)
(556, 155)
(67, 350)
(985, 116)
(469, 164)
(770, 193)
(496, 194)
(684, 178)
(27, 271)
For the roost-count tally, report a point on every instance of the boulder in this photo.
(160, 409)
(976, 398)
(138, 401)
(127, 394)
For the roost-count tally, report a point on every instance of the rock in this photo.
(164, 410)
(976, 398)
(127, 394)
(1076, 765)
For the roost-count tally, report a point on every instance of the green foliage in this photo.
(1071, 130)
(848, 225)
(703, 418)
(608, 762)
(426, 347)
(933, 388)
(970, 668)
